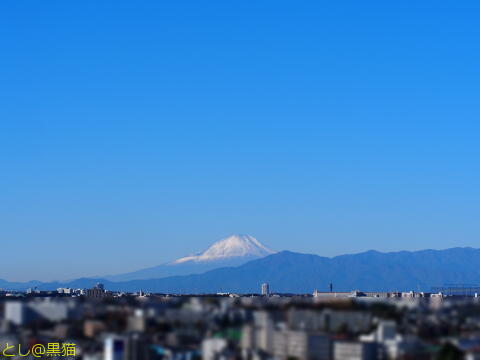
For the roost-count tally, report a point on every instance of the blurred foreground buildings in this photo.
(323, 326)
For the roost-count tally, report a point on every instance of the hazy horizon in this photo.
(276, 251)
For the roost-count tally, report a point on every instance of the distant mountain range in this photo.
(234, 250)
(290, 272)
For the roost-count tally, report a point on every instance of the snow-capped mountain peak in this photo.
(234, 246)
(234, 250)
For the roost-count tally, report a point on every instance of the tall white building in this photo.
(265, 289)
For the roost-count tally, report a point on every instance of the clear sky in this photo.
(135, 132)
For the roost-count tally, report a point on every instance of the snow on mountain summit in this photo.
(230, 247)
(232, 251)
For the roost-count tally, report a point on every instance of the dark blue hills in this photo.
(290, 272)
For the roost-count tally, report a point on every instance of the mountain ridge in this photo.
(291, 272)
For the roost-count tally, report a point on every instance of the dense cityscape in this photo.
(99, 324)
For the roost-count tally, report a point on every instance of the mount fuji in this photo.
(234, 250)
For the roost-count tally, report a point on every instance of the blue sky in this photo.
(132, 133)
